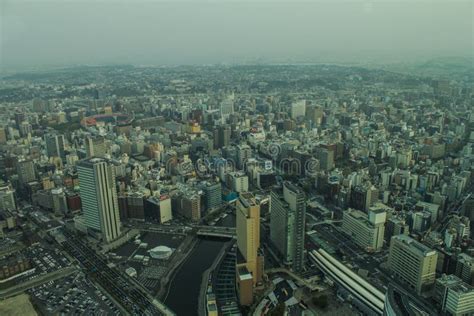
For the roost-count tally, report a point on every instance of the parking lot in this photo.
(43, 261)
(46, 260)
(72, 295)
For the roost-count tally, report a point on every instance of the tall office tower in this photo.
(249, 261)
(287, 223)
(54, 145)
(315, 115)
(99, 197)
(26, 171)
(298, 109)
(455, 296)
(244, 152)
(227, 107)
(366, 231)
(19, 117)
(412, 262)
(25, 129)
(95, 147)
(222, 136)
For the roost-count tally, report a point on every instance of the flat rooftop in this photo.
(416, 245)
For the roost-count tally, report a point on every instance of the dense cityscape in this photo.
(236, 158)
(237, 190)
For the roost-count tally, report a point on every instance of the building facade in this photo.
(366, 231)
(99, 197)
(287, 224)
(412, 262)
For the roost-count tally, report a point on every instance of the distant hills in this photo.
(442, 67)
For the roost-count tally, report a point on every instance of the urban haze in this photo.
(211, 158)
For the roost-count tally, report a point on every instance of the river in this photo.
(184, 291)
(228, 221)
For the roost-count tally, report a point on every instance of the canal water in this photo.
(183, 296)
(228, 221)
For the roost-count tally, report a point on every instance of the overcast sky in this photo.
(63, 32)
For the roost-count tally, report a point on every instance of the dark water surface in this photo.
(185, 287)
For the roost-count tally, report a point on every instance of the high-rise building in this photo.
(26, 171)
(361, 197)
(95, 147)
(59, 202)
(455, 296)
(25, 129)
(412, 262)
(19, 117)
(222, 136)
(237, 181)
(326, 158)
(187, 204)
(298, 109)
(366, 231)
(132, 206)
(395, 226)
(99, 197)
(213, 195)
(249, 261)
(315, 115)
(287, 223)
(227, 106)
(54, 145)
(158, 209)
(244, 152)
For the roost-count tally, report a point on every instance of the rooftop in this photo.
(415, 245)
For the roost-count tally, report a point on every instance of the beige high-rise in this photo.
(249, 261)
(412, 262)
(248, 232)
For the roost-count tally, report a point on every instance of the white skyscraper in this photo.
(227, 107)
(298, 109)
(99, 197)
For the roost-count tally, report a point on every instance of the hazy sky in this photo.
(38, 33)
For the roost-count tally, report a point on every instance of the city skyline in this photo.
(237, 157)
